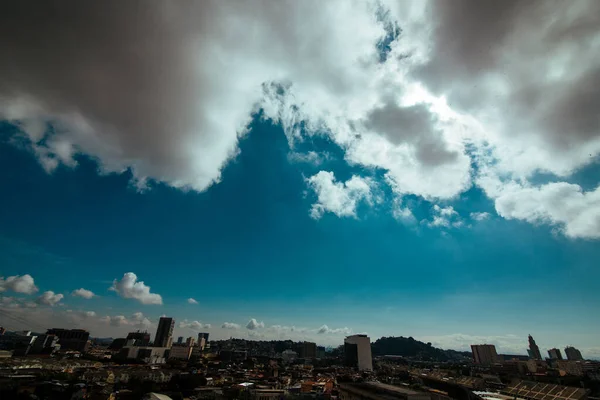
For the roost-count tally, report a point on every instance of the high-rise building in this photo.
(534, 350)
(164, 332)
(573, 354)
(203, 335)
(180, 340)
(484, 354)
(321, 352)
(555, 354)
(141, 338)
(71, 339)
(357, 351)
(190, 341)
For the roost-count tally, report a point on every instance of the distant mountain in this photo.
(409, 347)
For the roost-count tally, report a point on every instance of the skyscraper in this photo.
(555, 354)
(484, 354)
(534, 350)
(573, 354)
(180, 340)
(164, 332)
(357, 351)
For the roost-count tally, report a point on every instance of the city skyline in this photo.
(375, 168)
(169, 332)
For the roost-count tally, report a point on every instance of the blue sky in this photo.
(248, 248)
(262, 172)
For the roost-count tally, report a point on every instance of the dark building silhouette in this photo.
(573, 354)
(306, 350)
(141, 338)
(534, 350)
(164, 332)
(554, 354)
(71, 339)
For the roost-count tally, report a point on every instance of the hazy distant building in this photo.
(534, 350)
(71, 339)
(357, 352)
(484, 354)
(180, 340)
(164, 332)
(554, 354)
(141, 338)
(573, 354)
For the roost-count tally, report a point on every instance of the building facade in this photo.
(484, 354)
(357, 351)
(164, 332)
(203, 335)
(181, 352)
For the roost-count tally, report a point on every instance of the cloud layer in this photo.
(474, 93)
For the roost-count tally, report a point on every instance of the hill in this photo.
(409, 347)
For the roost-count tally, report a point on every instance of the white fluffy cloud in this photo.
(574, 212)
(86, 294)
(18, 284)
(230, 325)
(445, 217)
(130, 288)
(254, 324)
(324, 329)
(194, 325)
(479, 216)
(192, 301)
(339, 198)
(49, 298)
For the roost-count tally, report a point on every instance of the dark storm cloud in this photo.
(121, 80)
(530, 60)
(414, 125)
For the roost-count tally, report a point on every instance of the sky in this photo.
(280, 169)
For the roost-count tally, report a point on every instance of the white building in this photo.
(357, 349)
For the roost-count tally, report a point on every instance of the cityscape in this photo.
(68, 363)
